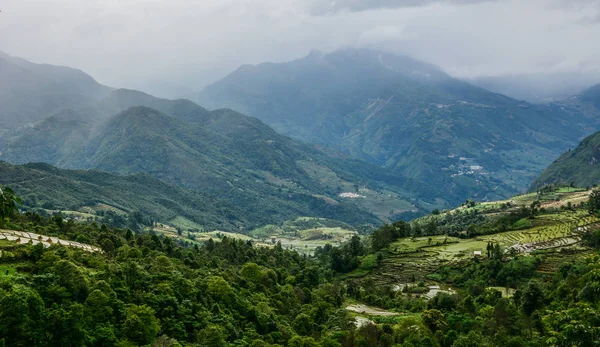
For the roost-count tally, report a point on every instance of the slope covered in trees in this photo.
(578, 167)
(144, 289)
(220, 153)
(44, 186)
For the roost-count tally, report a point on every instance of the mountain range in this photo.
(407, 116)
(218, 153)
(360, 136)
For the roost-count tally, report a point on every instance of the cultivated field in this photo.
(304, 234)
(555, 235)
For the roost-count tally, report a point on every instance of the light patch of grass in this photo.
(105, 207)
(185, 224)
(325, 232)
(218, 235)
(569, 190)
(413, 244)
(266, 231)
(6, 243)
(69, 213)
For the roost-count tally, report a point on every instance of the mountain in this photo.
(42, 185)
(31, 92)
(122, 99)
(537, 88)
(591, 96)
(222, 153)
(407, 116)
(579, 167)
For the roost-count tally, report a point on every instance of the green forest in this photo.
(145, 289)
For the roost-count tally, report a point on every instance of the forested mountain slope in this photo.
(41, 185)
(579, 167)
(220, 153)
(407, 116)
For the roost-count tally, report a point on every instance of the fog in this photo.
(181, 46)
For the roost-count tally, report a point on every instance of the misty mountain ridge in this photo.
(407, 116)
(538, 88)
(31, 92)
(436, 140)
(217, 152)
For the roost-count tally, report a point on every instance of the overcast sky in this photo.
(190, 43)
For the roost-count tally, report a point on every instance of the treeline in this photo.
(524, 309)
(146, 289)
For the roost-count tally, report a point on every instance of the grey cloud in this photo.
(174, 44)
(331, 7)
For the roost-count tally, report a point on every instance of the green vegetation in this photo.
(144, 289)
(577, 168)
(222, 154)
(103, 196)
(153, 288)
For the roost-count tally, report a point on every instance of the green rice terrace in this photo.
(553, 230)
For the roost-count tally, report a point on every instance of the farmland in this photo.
(554, 235)
(303, 234)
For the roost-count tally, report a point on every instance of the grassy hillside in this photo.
(41, 185)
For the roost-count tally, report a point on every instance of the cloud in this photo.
(127, 43)
(328, 7)
(383, 34)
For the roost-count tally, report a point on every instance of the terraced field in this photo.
(14, 237)
(412, 259)
(556, 199)
(304, 234)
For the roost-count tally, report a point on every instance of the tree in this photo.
(535, 206)
(9, 202)
(140, 326)
(302, 324)
(434, 320)
(356, 247)
(212, 335)
(594, 201)
(72, 278)
(532, 298)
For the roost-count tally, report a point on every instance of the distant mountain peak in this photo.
(403, 114)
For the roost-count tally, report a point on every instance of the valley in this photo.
(304, 173)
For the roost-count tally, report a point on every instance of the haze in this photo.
(176, 47)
